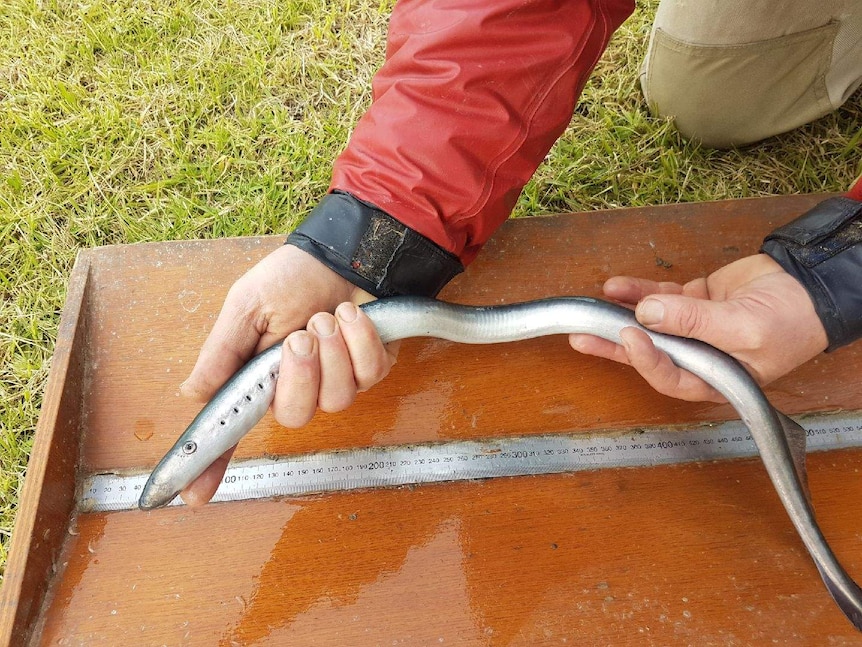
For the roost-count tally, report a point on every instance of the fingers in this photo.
(202, 489)
(337, 384)
(638, 351)
(598, 347)
(723, 324)
(298, 380)
(661, 373)
(327, 365)
(628, 289)
(371, 360)
(750, 309)
(272, 299)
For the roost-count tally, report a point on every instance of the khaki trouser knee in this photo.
(728, 94)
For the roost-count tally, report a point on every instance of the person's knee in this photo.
(732, 95)
(699, 111)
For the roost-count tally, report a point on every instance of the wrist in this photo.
(821, 249)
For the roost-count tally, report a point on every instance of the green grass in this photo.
(125, 121)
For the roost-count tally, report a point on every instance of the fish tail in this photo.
(848, 597)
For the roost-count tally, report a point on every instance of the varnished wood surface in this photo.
(683, 555)
(696, 554)
(48, 496)
(155, 304)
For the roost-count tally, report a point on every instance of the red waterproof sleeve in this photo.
(472, 95)
(855, 191)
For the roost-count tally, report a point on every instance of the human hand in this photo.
(324, 364)
(751, 309)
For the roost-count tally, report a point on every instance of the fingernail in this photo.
(346, 312)
(624, 339)
(650, 312)
(323, 325)
(300, 344)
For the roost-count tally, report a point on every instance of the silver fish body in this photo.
(228, 416)
(242, 401)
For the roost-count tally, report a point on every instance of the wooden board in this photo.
(695, 554)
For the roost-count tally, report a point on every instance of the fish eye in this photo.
(190, 447)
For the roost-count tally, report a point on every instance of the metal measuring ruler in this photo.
(465, 460)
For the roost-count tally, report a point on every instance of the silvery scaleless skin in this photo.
(245, 398)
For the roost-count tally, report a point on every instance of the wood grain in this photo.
(48, 496)
(156, 304)
(679, 555)
(693, 554)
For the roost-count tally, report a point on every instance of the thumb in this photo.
(713, 322)
(229, 345)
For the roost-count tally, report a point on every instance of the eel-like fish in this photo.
(245, 398)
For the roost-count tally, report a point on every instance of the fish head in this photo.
(157, 493)
(179, 467)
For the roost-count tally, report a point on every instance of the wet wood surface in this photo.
(688, 554)
(48, 498)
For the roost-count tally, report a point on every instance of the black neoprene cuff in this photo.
(372, 250)
(822, 250)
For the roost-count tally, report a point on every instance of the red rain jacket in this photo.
(471, 97)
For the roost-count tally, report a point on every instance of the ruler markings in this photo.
(469, 460)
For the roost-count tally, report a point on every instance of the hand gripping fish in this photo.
(245, 398)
